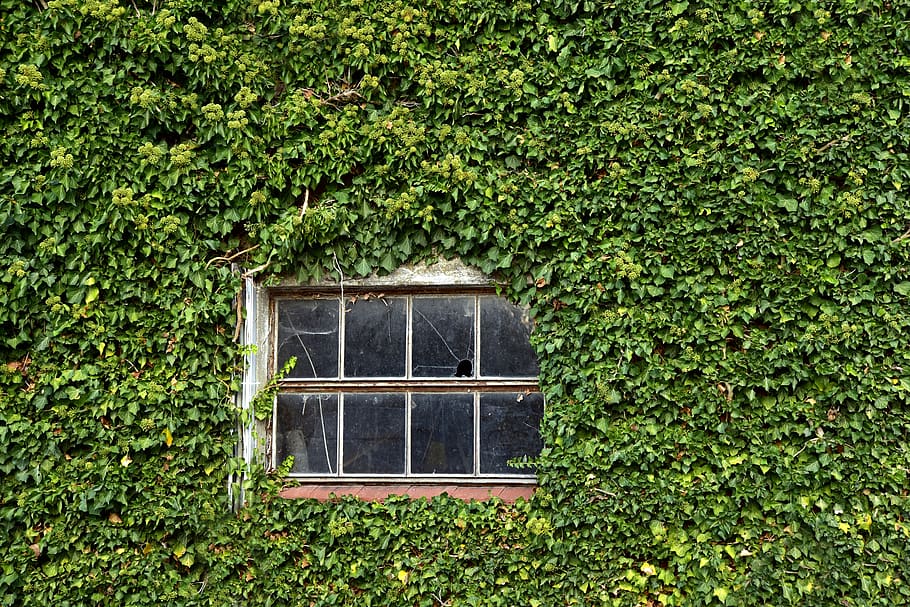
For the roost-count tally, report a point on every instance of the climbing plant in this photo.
(703, 202)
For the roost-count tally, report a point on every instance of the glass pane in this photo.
(307, 428)
(373, 434)
(443, 337)
(308, 329)
(374, 337)
(505, 332)
(509, 429)
(442, 433)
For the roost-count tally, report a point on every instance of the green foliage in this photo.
(703, 202)
(264, 400)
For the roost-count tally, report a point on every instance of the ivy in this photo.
(703, 202)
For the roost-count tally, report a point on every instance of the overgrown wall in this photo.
(705, 204)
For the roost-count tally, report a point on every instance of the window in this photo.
(421, 385)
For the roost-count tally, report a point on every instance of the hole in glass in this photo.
(465, 369)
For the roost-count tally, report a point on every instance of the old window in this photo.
(395, 384)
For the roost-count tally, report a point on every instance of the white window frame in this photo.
(443, 278)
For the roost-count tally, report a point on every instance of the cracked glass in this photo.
(373, 438)
(505, 334)
(375, 337)
(509, 429)
(406, 385)
(308, 429)
(442, 338)
(442, 433)
(308, 329)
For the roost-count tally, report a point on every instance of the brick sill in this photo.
(377, 493)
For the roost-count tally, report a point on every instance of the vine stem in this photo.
(832, 143)
(306, 203)
(231, 257)
(903, 236)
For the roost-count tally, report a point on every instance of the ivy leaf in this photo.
(552, 43)
(903, 288)
(679, 8)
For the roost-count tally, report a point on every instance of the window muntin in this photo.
(422, 386)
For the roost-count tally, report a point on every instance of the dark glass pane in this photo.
(307, 428)
(442, 433)
(374, 337)
(509, 429)
(442, 337)
(373, 434)
(505, 348)
(308, 329)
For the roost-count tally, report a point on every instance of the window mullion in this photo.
(408, 354)
(339, 451)
(477, 346)
(342, 322)
(407, 433)
(476, 433)
(408, 346)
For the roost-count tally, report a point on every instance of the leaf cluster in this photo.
(702, 202)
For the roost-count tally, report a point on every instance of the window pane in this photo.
(374, 337)
(442, 433)
(307, 428)
(443, 337)
(509, 429)
(308, 329)
(505, 331)
(373, 434)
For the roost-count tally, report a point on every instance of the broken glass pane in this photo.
(373, 440)
(442, 433)
(308, 329)
(509, 429)
(306, 427)
(374, 337)
(442, 337)
(505, 349)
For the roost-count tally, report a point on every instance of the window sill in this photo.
(378, 493)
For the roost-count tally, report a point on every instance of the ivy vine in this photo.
(702, 201)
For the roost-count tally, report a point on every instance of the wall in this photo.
(704, 204)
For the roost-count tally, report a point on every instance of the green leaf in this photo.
(552, 43)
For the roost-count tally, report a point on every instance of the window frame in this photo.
(407, 386)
